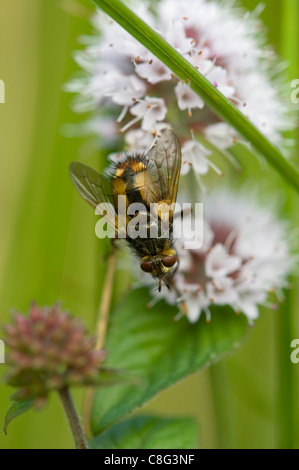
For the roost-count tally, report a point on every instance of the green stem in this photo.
(222, 406)
(73, 419)
(212, 97)
(287, 398)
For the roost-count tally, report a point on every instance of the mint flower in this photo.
(49, 350)
(136, 90)
(244, 257)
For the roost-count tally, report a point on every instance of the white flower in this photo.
(245, 255)
(191, 299)
(153, 70)
(187, 98)
(215, 74)
(150, 110)
(224, 43)
(175, 34)
(219, 263)
(195, 155)
(139, 138)
(221, 135)
(101, 126)
(222, 291)
(126, 89)
(105, 128)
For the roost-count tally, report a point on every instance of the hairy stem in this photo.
(73, 419)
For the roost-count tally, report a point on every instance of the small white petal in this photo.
(219, 263)
(193, 308)
(187, 98)
(150, 110)
(194, 155)
(128, 89)
(221, 135)
(175, 34)
(154, 71)
(195, 304)
(222, 291)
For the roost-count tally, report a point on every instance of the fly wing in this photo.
(95, 189)
(163, 169)
(91, 185)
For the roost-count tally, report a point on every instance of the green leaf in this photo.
(16, 409)
(149, 432)
(212, 97)
(108, 377)
(151, 345)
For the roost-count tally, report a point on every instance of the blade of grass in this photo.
(287, 399)
(222, 404)
(212, 97)
(51, 248)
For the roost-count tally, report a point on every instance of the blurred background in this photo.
(48, 250)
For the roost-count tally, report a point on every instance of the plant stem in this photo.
(104, 308)
(212, 97)
(73, 419)
(286, 383)
(222, 406)
(287, 396)
(103, 317)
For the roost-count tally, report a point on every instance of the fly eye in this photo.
(169, 261)
(147, 267)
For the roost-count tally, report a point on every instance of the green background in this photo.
(48, 250)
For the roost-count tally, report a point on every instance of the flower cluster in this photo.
(49, 350)
(224, 43)
(245, 251)
(244, 256)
